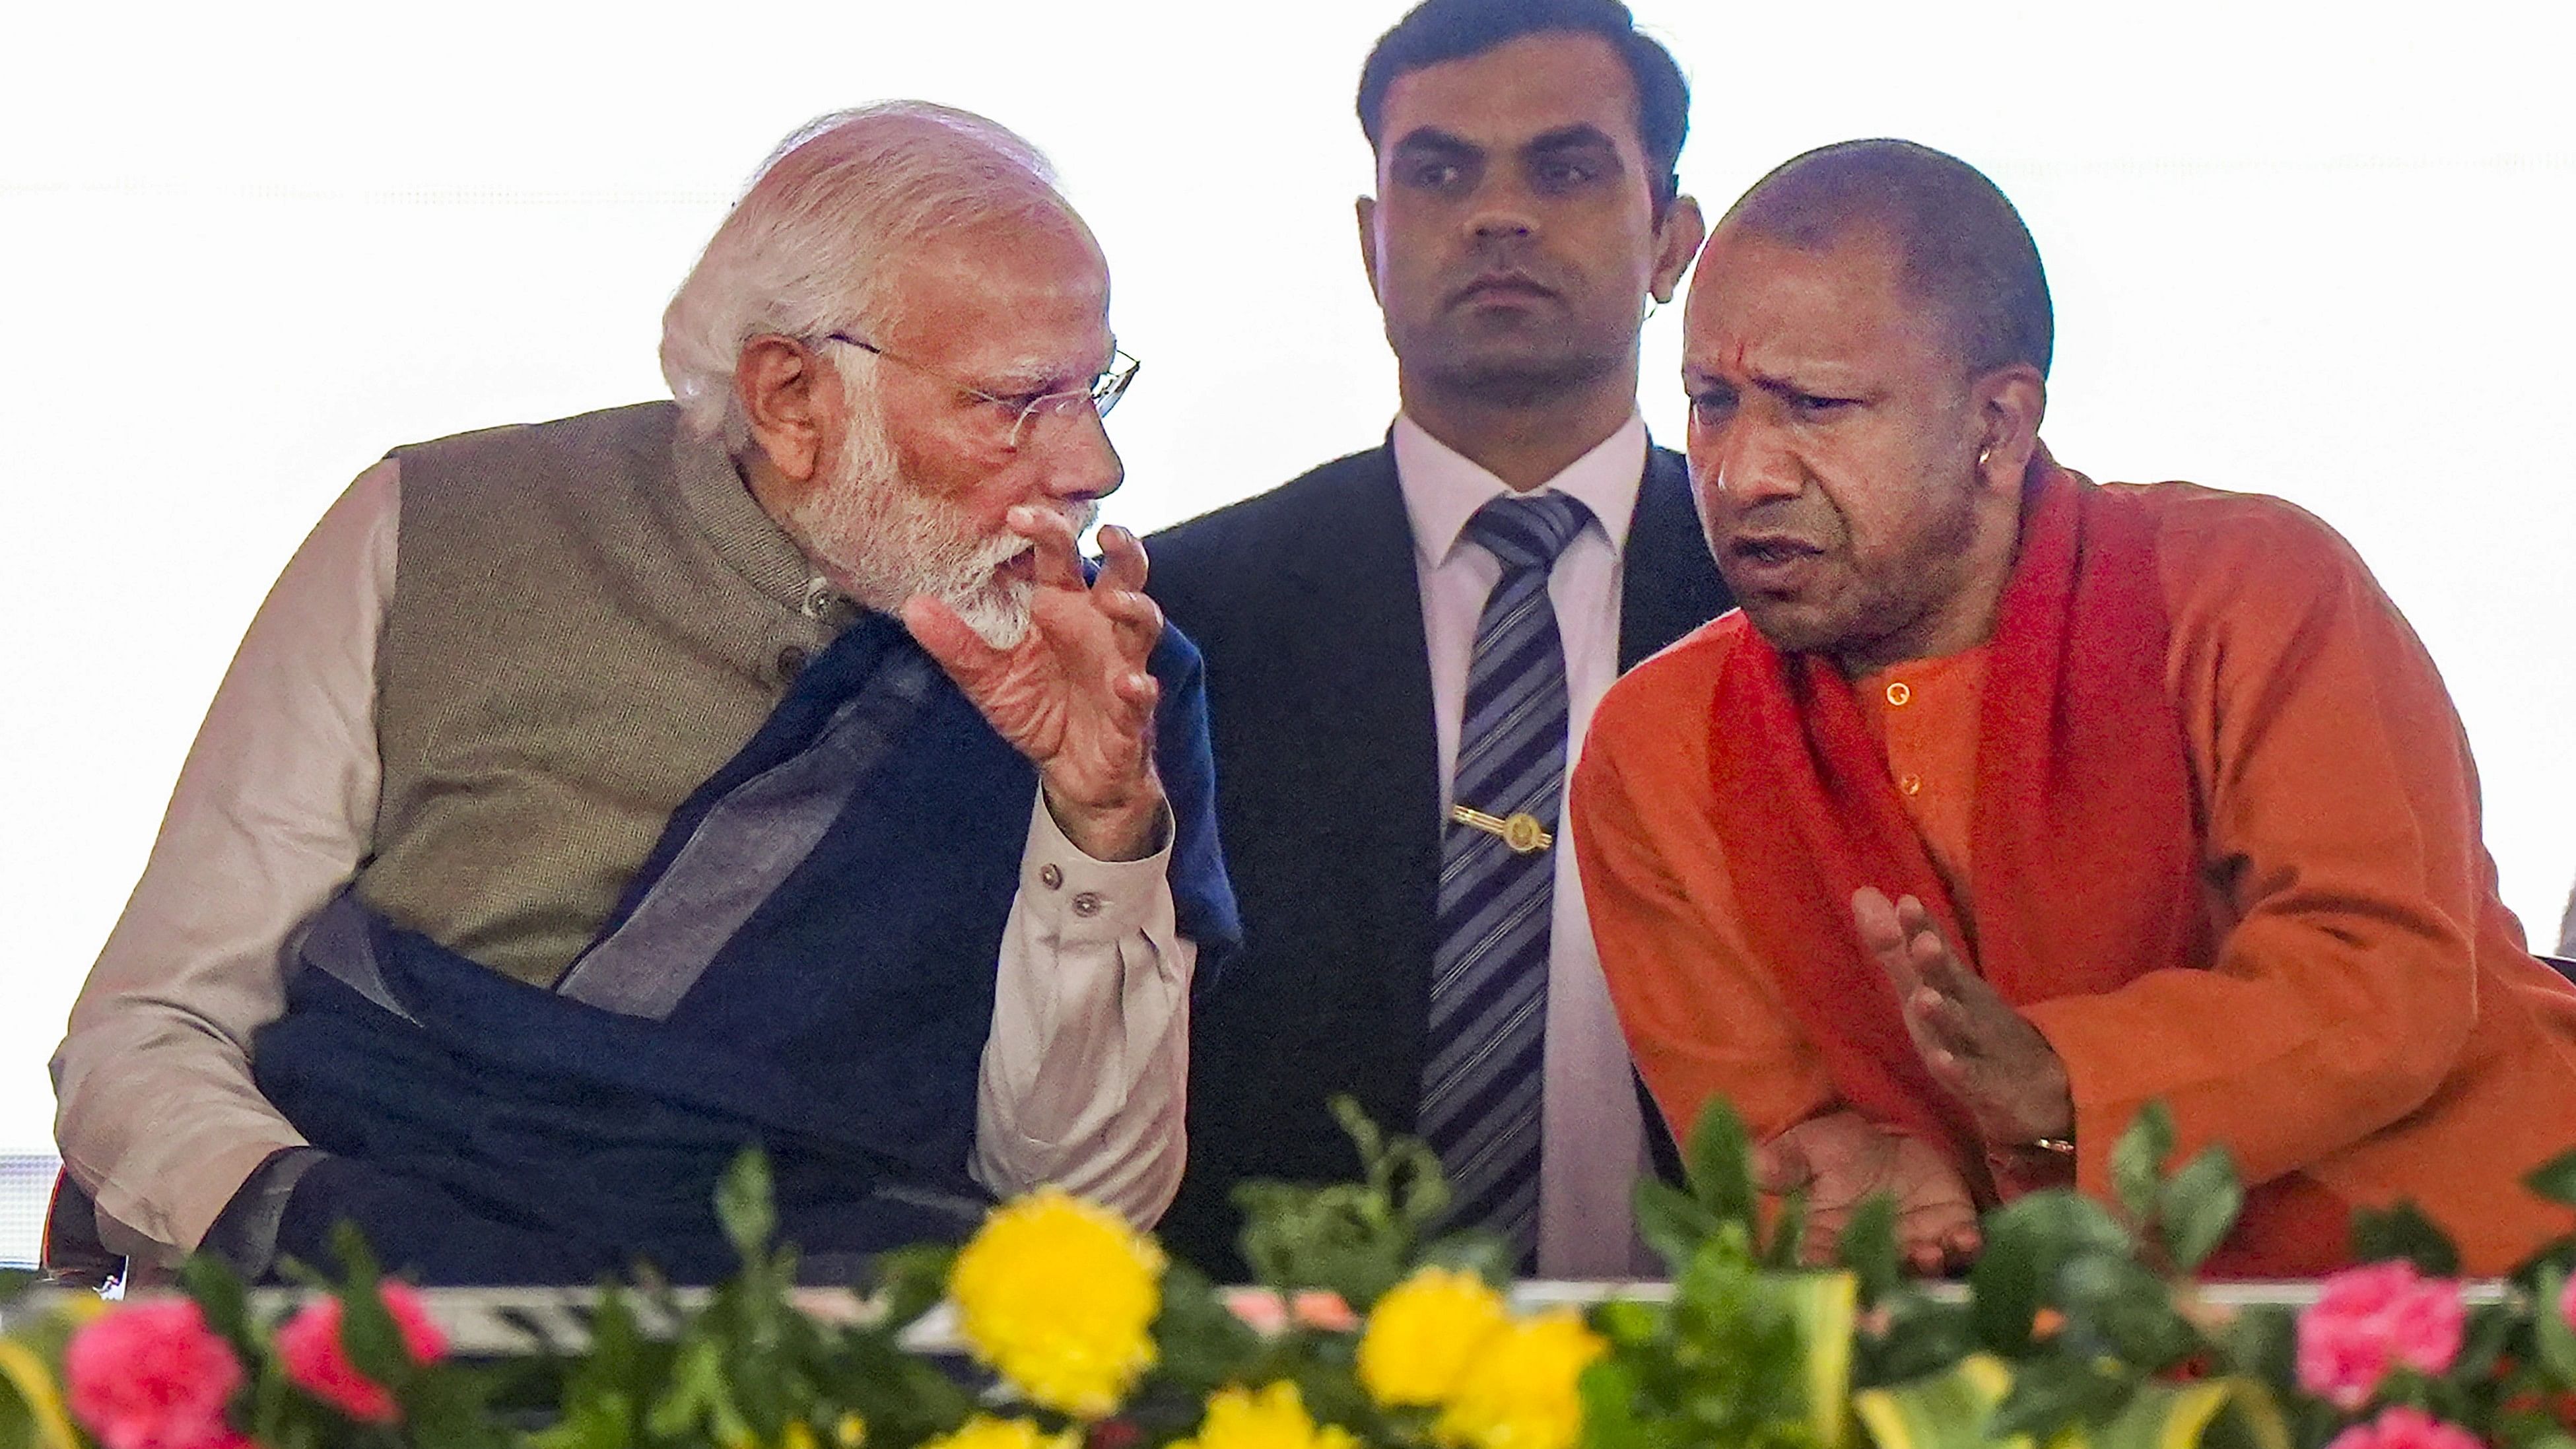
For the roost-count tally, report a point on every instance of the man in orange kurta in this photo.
(2010, 803)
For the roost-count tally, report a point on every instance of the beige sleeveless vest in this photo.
(590, 616)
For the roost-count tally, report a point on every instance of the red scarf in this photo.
(2084, 849)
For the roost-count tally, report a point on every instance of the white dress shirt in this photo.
(1592, 1131)
(1083, 1075)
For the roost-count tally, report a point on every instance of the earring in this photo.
(1982, 455)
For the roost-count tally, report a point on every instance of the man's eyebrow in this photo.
(1583, 135)
(1033, 378)
(1432, 138)
(1829, 384)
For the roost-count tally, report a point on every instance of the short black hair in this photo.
(1964, 247)
(1444, 30)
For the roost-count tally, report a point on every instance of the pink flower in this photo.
(2370, 1320)
(153, 1376)
(316, 1360)
(2567, 1302)
(1322, 1308)
(1264, 1313)
(2405, 1428)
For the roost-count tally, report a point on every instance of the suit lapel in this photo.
(1668, 583)
(1358, 599)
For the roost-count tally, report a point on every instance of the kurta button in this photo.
(791, 662)
(1898, 694)
(1911, 784)
(1051, 876)
(1086, 903)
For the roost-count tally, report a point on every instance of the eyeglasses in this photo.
(1100, 395)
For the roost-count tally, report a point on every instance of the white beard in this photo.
(883, 540)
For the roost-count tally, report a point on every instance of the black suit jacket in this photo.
(1306, 605)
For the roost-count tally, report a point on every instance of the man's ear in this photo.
(1367, 210)
(791, 402)
(1677, 240)
(2010, 402)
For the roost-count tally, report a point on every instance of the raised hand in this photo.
(1073, 695)
(1975, 1045)
(1840, 1159)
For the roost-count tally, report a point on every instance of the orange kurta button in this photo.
(1911, 784)
(1898, 694)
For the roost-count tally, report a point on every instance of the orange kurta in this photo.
(2369, 1018)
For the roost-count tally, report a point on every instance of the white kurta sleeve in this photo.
(1086, 1073)
(156, 1112)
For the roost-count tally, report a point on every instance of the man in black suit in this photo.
(1384, 649)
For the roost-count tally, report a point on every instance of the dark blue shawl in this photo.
(805, 962)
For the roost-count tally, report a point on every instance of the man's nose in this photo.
(1741, 462)
(1084, 465)
(1501, 212)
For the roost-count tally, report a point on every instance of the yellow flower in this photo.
(1520, 1391)
(1274, 1418)
(980, 1432)
(798, 1435)
(851, 1432)
(1422, 1333)
(1058, 1296)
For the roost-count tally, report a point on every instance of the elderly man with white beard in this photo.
(593, 799)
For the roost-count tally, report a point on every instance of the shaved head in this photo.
(1964, 250)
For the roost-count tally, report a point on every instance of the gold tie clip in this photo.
(1521, 832)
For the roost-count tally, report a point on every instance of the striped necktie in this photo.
(1486, 1045)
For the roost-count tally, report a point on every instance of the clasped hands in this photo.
(1073, 695)
(1976, 1047)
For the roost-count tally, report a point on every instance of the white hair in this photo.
(804, 252)
(881, 541)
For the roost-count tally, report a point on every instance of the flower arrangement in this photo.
(2079, 1328)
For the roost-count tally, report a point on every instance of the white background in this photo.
(246, 248)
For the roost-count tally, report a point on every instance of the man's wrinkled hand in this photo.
(1975, 1045)
(1841, 1159)
(1074, 694)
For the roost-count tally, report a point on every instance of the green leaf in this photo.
(2403, 1232)
(2052, 1395)
(1824, 1307)
(1610, 1420)
(1358, 1239)
(2550, 1333)
(1672, 1222)
(2198, 1206)
(1203, 1345)
(1719, 1164)
(1867, 1248)
(2004, 1292)
(1477, 1252)
(1919, 1335)
(2262, 1341)
(374, 1343)
(606, 1421)
(1946, 1410)
(2163, 1416)
(2027, 1241)
(2138, 1161)
(1788, 1234)
(2555, 1179)
(745, 1207)
(2115, 1306)
(219, 1294)
(357, 1262)
(912, 1281)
